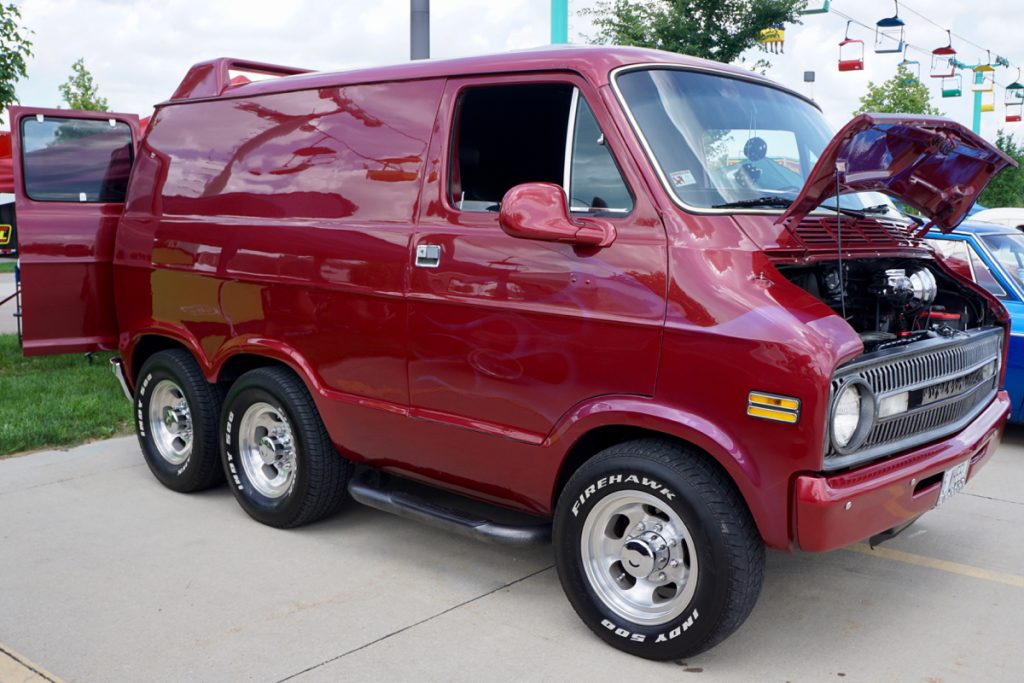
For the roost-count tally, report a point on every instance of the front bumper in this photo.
(834, 511)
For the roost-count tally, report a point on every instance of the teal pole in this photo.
(559, 22)
(976, 124)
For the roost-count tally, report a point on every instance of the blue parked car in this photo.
(993, 257)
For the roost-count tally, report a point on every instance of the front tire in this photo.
(176, 416)
(656, 550)
(280, 462)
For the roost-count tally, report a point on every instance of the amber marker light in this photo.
(773, 407)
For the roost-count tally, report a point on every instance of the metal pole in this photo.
(419, 29)
(976, 124)
(559, 22)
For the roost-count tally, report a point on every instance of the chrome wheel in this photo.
(170, 422)
(639, 557)
(266, 448)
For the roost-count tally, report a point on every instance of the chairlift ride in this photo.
(913, 68)
(1013, 100)
(820, 7)
(851, 52)
(988, 100)
(952, 85)
(889, 33)
(773, 38)
(984, 81)
(943, 59)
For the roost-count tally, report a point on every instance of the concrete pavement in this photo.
(107, 576)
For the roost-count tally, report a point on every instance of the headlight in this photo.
(852, 414)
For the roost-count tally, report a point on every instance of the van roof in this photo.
(211, 79)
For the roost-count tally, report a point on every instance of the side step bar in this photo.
(411, 506)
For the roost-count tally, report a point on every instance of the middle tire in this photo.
(278, 458)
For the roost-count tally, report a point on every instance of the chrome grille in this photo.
(957, 366)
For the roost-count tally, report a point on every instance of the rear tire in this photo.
(176, 415)
(656, 550)
(280, 462)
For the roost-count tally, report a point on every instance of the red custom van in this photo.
(648, 298)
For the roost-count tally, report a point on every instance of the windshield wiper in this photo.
(769, 200)
(878, 208)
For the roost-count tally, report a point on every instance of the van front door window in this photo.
(506, 135)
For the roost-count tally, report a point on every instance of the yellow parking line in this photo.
(943, 565)
(17, 669)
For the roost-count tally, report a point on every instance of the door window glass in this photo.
(984, 277)
(75, 160)
(1009, 251)
(595, 183)
(954, 253)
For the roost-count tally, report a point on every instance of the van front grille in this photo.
(947, 382)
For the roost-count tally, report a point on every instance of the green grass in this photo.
(57, 400)
(6, 265)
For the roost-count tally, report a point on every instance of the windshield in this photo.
(725, 141)
(1009, 251)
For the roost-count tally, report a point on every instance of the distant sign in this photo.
(6, 232)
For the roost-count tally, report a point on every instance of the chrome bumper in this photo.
(117, 367)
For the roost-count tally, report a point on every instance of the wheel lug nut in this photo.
(672, 543)
(657, 527)
(661, 576)
(674, 563)
(640, 526)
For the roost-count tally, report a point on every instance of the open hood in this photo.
(928, 162)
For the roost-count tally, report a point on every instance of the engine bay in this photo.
(893, 302)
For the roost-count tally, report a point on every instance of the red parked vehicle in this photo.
(642, 297)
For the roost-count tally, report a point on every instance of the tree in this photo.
(15, 48)
(713, 29)
(1007, 188)
(80, 90)
(901, 94)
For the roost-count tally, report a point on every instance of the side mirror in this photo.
(538, 211)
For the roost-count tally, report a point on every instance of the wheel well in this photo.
(147, 346)
(596, 440)
(241, 363)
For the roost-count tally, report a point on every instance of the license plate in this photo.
(953, 481)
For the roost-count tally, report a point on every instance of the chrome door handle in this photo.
(428, 255)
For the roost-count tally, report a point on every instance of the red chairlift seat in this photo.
(943, 59)
(851, 52)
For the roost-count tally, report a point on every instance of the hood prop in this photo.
(840, 169)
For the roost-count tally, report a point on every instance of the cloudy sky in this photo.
(138, 51)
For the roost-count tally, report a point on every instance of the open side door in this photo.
(71, 173)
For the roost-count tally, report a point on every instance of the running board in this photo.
(404, 504)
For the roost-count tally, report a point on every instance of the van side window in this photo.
(594, 182)
(505, 135)
(76, 160)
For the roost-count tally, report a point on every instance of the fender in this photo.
(266, 347)
(644, 413)
(213, 367)
(175, 333)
